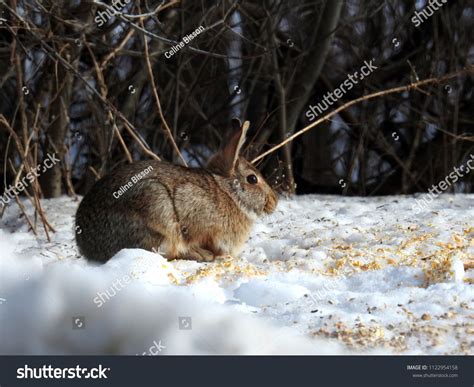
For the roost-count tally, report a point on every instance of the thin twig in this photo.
(104, 91)
(158, 104)
(53, 54)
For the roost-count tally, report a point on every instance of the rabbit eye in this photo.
(252, 179)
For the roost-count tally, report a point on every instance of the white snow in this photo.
(323, 275)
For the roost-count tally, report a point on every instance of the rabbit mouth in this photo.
(270, 204)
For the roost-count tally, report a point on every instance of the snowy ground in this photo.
(323, 275)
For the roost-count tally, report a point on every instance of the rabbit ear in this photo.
(224, 161)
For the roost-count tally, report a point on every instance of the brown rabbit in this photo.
(186, 213)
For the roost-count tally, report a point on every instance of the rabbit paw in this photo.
(198, 254)
(202, 255)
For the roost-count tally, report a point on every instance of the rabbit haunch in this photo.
(186, 213)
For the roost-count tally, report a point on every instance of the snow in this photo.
(322, 275)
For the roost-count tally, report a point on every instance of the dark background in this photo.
(86, 93)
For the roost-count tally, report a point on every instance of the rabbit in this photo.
(184, 213)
